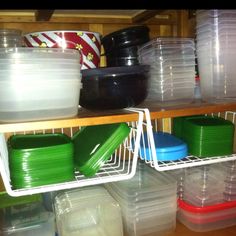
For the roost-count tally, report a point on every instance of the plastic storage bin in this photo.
(27, 220)
(95, 144)
(168, 147)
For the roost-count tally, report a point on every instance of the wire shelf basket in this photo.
(120, 166)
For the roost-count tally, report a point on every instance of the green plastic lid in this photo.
(95, 144)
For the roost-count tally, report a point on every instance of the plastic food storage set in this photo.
(54, 75)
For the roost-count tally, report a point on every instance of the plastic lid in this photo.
(206, 209)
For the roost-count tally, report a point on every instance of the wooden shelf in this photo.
(86, 117)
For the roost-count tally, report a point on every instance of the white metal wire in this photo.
(121, 165)
(151, 125)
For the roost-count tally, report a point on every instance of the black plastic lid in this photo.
(115, 71)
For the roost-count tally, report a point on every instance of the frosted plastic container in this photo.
(89, 211)
(28, 220)
(203, 219)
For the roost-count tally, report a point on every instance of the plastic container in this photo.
(168, 147)
(11, 38)
(88, 43)
(95, 144)
(203, 219)
(27, 220)
(114, 87)
(127, 37)
(40, 159)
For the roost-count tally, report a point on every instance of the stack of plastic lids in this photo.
(201, 133)
(172, 73)
(230, 182)
(40, 159)
(39, 83)
(94, 145)
(88, 211)
(216, 52)
(28, 219)
(204, 186)
(148, 202)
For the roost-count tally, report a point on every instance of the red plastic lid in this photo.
(206, 209)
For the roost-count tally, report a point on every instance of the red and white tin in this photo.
(89, 44)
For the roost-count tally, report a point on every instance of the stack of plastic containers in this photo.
(147, 201)
(230, 182)
(27, 220)
(10, 38)
(39, 83)
(89, 211)
(216, 52)
(172, 73)
(204, 206)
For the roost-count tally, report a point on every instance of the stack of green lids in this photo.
(40, 159)
(94, 145)
(205, 135)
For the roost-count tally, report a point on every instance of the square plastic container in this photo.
(208, 218)
(168, 147)
(89, 211)
(95, 144)
(40, 159)
(27, 220)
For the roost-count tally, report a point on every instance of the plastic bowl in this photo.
(89, 43)
(114, 87)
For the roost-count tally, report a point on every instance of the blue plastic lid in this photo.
(168, 147)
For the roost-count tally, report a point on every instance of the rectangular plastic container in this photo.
(208, 218)
(27, 220)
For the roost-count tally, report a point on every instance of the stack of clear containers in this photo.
(204, 186)
(230, 182)
(39, 83)
(172, 72)
(88, 211)
(216, 52)
(148, 202)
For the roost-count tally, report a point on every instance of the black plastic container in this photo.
(114, 87)
(123, 57)
(135, 35)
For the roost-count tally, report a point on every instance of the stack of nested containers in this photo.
(216, 52)
(89, 211)
(38, 83)
(172, 68)
(121, 47)
(206, 204)
(147, 201)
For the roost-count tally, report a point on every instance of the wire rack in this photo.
(152, 125)
(120, 166)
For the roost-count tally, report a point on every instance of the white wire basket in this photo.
(150, 157)
(121, 165)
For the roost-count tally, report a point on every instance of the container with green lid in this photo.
(40, 159)
(94, 145)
